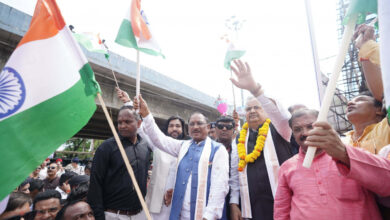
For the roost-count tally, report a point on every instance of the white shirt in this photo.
(79, 169)
(43, 173)
(63, 194)
(219, 180)
(279, 118)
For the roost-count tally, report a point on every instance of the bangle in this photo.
(361, 59)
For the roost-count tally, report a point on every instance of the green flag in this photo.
(135, 31)
(91, 42)
(361, 8)
(47, 94)
(232, 54)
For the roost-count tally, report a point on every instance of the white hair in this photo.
(250, 98)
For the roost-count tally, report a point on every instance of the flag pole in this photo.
(137, 91)
(109, 63)
(330, 89)
(242, 98)
(125, 159)
(234, 95)
(314, 50)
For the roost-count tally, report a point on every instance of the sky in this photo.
(275, 36)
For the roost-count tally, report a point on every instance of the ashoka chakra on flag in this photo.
(12, 92)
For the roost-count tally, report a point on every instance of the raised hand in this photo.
(122, 95)
(365, 32)
(244, 78)
(141, 106)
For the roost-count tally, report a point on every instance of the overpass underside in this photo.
(165, 96)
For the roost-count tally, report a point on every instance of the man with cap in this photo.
(75, 167)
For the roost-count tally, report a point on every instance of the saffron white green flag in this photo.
(384, 33)
(135, 31)
(47, 94)
(232, 53)
(92, 42)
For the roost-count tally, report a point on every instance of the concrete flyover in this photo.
(165, 96)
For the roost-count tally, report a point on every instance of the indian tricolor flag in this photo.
(232, 53)
(135, 31)
(91, 41)
(47, 93)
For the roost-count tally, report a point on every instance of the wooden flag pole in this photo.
(234, 95)
(330, 89)
(109, 63)
(125, 159)
(116, 81)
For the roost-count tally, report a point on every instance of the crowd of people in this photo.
(220, 170)
(51, 190)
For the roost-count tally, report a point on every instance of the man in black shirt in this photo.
(111, 191)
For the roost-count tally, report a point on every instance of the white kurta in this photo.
(162, 164)
(219, 174)
(164, 168)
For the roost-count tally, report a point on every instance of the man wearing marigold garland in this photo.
(263, 145)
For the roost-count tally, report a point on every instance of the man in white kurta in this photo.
(203, 168)
(164, 166)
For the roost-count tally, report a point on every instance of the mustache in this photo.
(303, 138)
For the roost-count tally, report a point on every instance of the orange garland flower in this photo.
(261, 137)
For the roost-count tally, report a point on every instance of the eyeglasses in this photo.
(228, 127)
(52, 168)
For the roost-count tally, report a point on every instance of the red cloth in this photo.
(330, 190)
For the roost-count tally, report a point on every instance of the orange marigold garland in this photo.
(261, 137)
